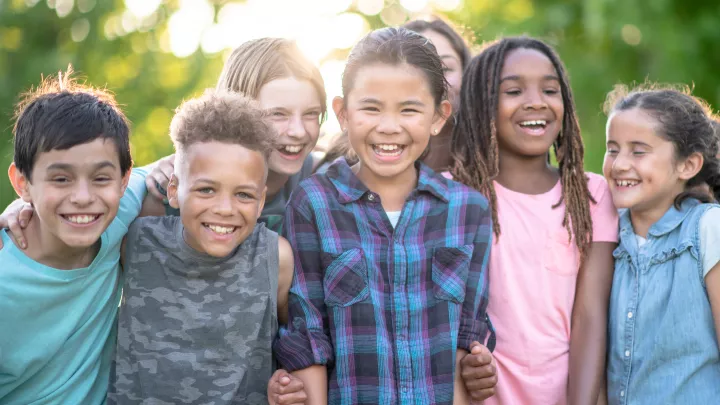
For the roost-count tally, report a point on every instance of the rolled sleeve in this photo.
(474, 322)
(306, 340)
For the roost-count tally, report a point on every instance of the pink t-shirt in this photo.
(533, 272)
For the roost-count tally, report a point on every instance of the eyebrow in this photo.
(634, 143)
(371, 100)
(448, 56)
(516, 77)
(252, 187)
(69, 167)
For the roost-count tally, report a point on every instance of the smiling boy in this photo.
(60, 295)
(204, 291)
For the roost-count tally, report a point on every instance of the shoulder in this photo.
(158, 230)
(315, 190)
(597, 185)
(460, 192)
(710, 220)
(285, 262)
(285, 253)
(149, 224)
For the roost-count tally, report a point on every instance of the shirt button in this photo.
(622, 393)
(627, 353)
(630, 315)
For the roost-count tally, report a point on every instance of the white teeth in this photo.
(81, 219)
(388, 147)
(221, 229)
(533, 123)
(292, 148)
(626, 183)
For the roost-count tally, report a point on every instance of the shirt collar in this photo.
(351, 189)
(669, 221)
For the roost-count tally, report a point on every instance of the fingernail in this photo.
(23, 244)
(22, 223)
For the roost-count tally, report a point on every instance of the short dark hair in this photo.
(454, 35)
(60, 114)
(396, 46)
(222, 116)
(682, 119)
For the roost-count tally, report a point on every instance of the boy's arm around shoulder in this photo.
(286, 270)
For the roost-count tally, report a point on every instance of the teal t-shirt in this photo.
(57, 327)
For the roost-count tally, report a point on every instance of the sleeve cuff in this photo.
(471, 330)
(302, 348)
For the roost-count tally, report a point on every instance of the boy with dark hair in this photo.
(204, 291)
(60, 295)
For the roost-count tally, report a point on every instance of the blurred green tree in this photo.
(602, 42)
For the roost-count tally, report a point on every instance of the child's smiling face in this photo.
(641, 167)
(530, 104)
(294, 109)
(220, 191)
(76, 192)
(390, 115)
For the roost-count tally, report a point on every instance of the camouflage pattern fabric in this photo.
(194, 329)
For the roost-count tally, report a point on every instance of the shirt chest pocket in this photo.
(346, 279)
(560, 255)
(450, 267)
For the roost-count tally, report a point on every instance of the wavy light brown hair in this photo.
(258, 62)
(222, 116)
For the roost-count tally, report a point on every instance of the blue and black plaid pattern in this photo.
(385, 309)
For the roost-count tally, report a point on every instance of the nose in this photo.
(82, 194)
(389, 124)
(535, 100)
(621, 163)
(223, 206)
(296, 127)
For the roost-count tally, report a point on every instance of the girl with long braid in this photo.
(554, 228)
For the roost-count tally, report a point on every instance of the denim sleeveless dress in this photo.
(662, 346)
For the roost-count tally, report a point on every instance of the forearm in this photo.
(587, 357)
(460, 396)
(314, 379)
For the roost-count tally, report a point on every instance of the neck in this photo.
(439, 156)
(275, 183)
(527, 175)
(45, 248)
(642, 218)
(393, 191)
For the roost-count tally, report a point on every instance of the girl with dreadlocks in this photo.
(554, 228)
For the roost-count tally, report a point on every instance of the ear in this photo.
(262, 200)
(172, 192)
(20, 183)
(338, 105)
(441, 117)
(690, 166)
(126, 179)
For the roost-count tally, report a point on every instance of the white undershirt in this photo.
(393, 216)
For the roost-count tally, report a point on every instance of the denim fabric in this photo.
(662, 346)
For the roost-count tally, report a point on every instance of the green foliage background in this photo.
(602, 42)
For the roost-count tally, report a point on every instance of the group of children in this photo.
(434, 232)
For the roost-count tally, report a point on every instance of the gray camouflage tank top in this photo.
(194, 329)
